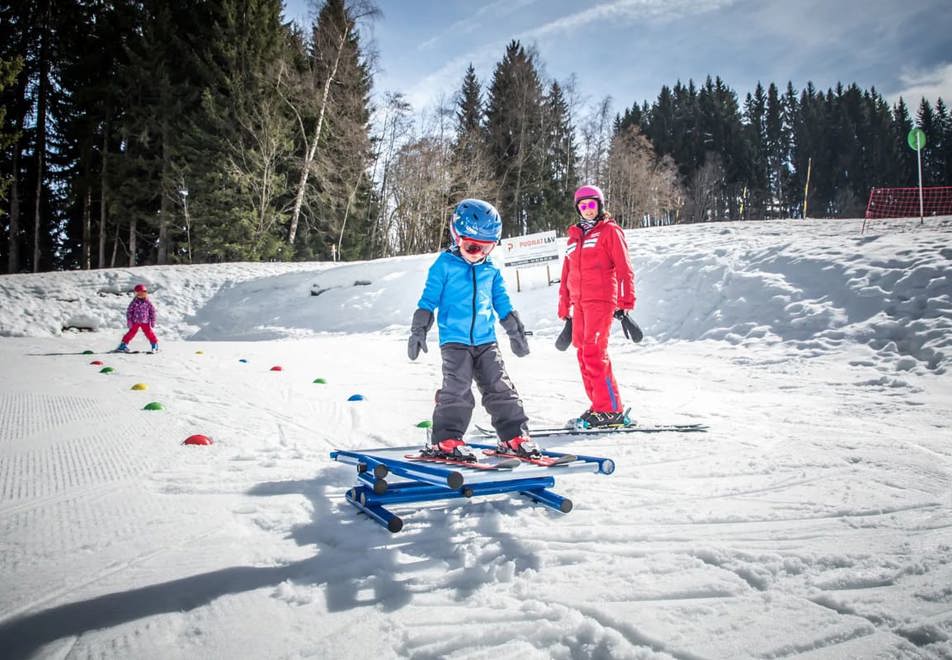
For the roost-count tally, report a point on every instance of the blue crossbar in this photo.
(423, 482)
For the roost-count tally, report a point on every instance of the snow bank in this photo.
(814, 285)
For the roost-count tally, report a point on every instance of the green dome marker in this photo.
(87, 352)
(155, 405)
(425, 424)
(106, 370)
(320, 381)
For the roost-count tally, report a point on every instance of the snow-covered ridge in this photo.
(814, 285)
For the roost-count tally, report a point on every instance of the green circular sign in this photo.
(916, 139)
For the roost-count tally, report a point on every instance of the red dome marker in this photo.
(98, 363)
(197, 440)
(277, 367)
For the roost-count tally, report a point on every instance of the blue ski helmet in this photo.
(476, 219)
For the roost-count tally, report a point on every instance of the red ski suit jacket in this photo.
(596, 268)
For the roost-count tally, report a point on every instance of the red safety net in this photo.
(904, 202)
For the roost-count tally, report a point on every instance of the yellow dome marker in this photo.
(140, 386)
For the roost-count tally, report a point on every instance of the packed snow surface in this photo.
(813, 519)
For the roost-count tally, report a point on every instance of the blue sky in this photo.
(627, 49)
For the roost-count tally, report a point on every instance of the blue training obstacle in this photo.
(425, 482)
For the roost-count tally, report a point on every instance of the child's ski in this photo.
(544, 461)
(476, 465)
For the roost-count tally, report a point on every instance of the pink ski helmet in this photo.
(140, 287)
(590, 192)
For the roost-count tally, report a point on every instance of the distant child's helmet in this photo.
(140, 287)
(590, 192)
(476, 220)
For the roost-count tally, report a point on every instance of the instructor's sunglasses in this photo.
(470, 246)
(591, 204)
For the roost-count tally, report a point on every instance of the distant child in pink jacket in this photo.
(140, 316)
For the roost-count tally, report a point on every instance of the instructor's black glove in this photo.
(422, 322)
(564, 340)
(629, 327)
(517, 334)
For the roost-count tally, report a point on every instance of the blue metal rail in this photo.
(387, 477)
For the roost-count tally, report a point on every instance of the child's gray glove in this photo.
(421, 324)
(564, 340)
(517, 334)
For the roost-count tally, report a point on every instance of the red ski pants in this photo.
(591, 324)
(126, 338)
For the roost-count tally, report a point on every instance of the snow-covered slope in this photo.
(815, 285)
(812, 520)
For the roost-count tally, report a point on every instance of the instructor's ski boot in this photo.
(521, 445)
(452, 448)
(597, 420)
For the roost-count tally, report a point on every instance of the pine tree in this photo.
(944, 141)
(932, 165)
(9, 69)
(515, 138)
(777, 136)
(472, 172)
(336, 145)
(242, 138)
(758, 183)
(560, 175)
(905, 157)
(92, 44)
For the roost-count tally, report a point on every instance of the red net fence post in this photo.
(904, 202)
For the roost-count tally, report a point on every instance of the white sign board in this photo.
(530, 250)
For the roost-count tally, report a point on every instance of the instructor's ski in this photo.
(604, 430)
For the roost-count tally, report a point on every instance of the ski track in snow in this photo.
(813, 520)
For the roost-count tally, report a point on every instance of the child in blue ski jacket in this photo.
(469, 292)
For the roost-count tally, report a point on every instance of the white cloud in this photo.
(617, 12)
(930, 85)
(626, 11)
(473, 22)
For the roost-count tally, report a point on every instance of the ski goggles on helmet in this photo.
(471, 246)
(587, 204)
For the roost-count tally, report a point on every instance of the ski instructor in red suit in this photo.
(597, 282)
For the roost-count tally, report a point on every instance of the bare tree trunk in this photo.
(103, 186)
(115, 247)
(87, 223)
(13, 258)
(132, 241)
(41, 132)
(312, 149)
(163, 253)
(350, 200)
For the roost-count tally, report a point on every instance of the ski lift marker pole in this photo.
(917, 140)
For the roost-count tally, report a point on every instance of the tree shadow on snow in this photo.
(358, 564)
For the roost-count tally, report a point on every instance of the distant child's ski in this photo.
(544, 461)
(476, 465)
